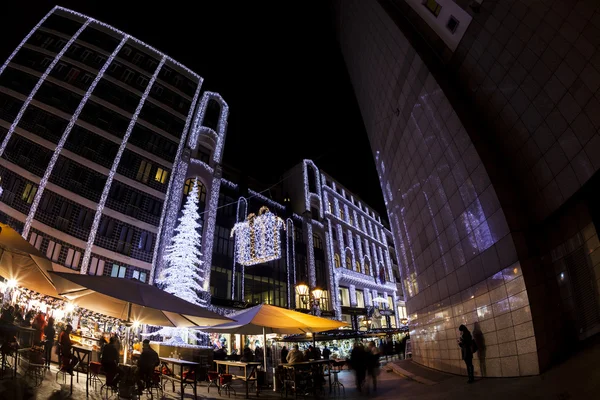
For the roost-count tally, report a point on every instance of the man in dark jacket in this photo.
(146, 364)
(110, 362)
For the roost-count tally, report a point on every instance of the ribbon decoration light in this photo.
(257, 238)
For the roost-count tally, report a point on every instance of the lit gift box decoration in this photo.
(257, 239)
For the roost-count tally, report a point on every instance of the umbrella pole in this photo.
(265, 352)
(127, 333)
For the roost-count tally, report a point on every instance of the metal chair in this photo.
(213, 379)
(336, 385)
(225, 381)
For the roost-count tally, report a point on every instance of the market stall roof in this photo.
(132, 300)
(266, 318)
(23, 263)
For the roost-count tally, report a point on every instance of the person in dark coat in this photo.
(326, 352)
(110, 362)
(466, 347)
(49, 334)
(284, 354)
(359, 362)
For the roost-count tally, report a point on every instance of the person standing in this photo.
(326, 353)
(284, 354)
(68, 361)
(49, 333)
(466, 347)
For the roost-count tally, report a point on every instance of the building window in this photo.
(402, 312)
(145, 242)
(35, 240)
(72, 260)
(351, 220)
(161, 175)
(367, 268)
(201, 190)
(144, 171)
(433, 6)
(348, 262)
(85, 218)
(329, 207)
(337, 261)
(53, 251)
(357, 266)
(118, 271)
(29, 193)
(360, 299)
(317, 242)
(342, 215)
(140, 276)
(96, 267)
(344, 297)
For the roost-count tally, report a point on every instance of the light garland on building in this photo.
(202, 164)
(229, 184)
(289, 257)
(244, 203)
(64, 137)
(312, 280)
(265, 199)
(308, 195)
(222, 124)
(258, 240)
(213, 204)
(137, 41)
(37, 87)
(176, 182)
(31, 32)
(113, 170)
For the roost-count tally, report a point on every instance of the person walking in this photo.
(358, 362)
(467, 348)
(49, 333)
(373, 354)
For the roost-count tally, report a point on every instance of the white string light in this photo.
(312, 280)
(113, 170)
(38, 85)
(137, 41)
(221, 126)
(308, 195)
(64, 137)
(244, 203)
(289, 257)
(265, 199)
(176, 182)
(213, 204)
(31, 32)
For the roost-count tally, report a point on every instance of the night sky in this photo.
(277, 64)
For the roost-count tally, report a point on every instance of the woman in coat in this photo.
(466, 347)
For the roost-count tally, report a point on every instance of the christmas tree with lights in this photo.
(183, 275)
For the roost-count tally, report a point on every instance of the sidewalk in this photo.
(577, 378)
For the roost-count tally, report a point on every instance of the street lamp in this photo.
(313, 299)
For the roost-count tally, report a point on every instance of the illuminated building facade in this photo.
(483, 121)
(93, 123)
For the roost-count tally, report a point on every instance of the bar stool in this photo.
(95, 373)
(225, 383)
(155, 384)
(213, 379)
(336, 385)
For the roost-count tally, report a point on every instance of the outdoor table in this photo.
(83, 354)
(25, 331)
(247, 377)
(312, 365)
(182, 363)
